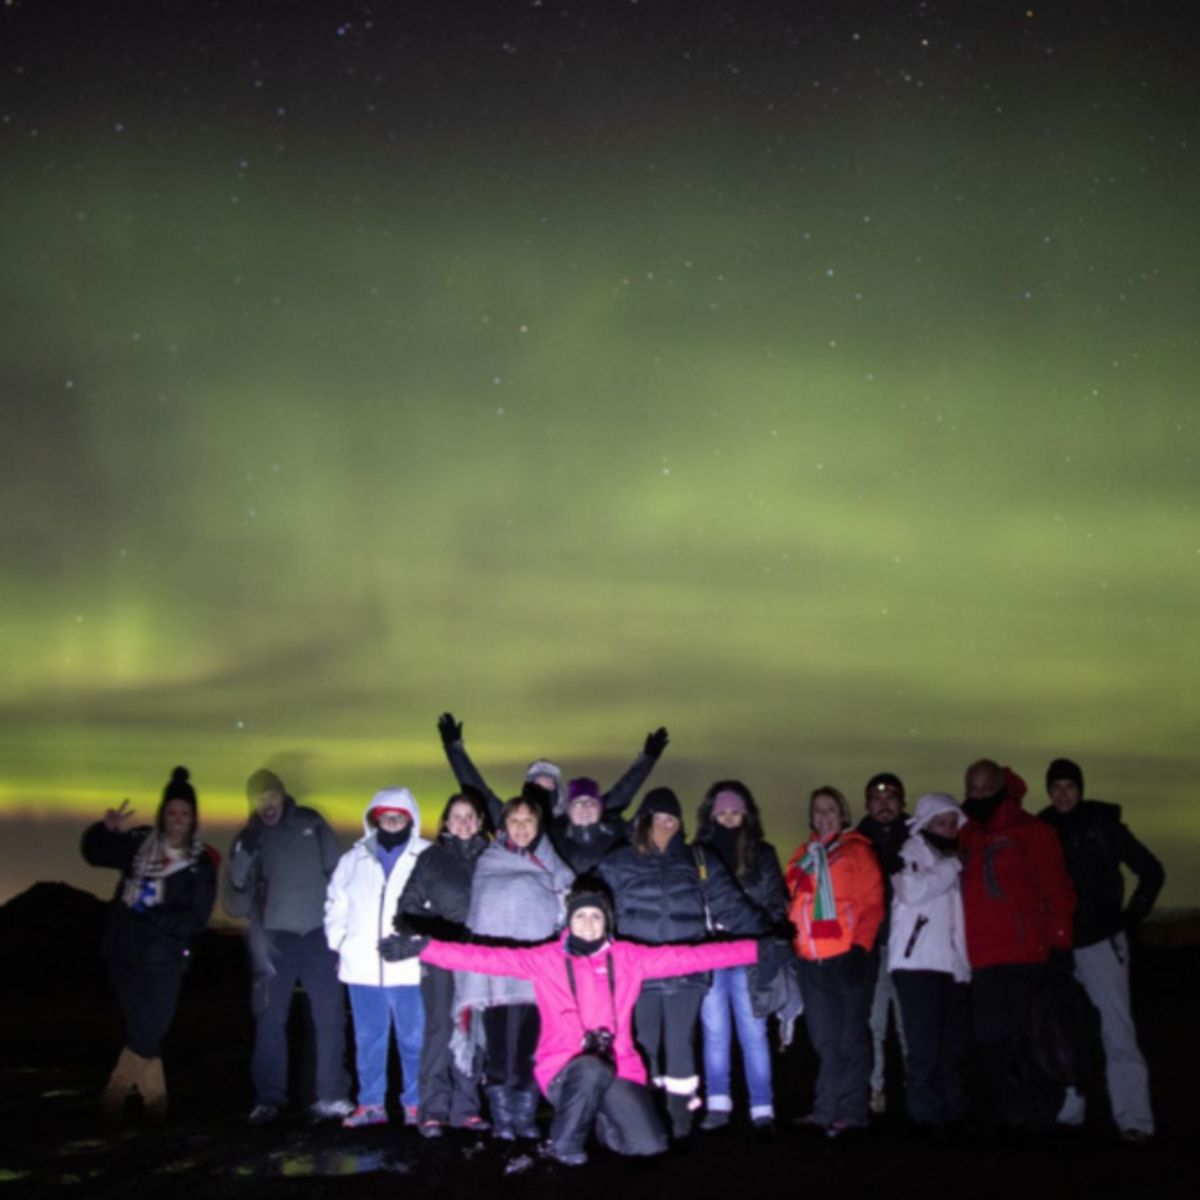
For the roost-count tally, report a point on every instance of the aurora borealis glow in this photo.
(818, 380)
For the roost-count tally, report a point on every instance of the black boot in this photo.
(524, 1112)
(679, 1109)
(500, 1101)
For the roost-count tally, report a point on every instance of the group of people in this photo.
(545, 945)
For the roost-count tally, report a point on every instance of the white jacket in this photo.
(927, 929)
(360, 904)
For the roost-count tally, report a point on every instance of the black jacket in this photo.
(160, 936)
(437, 896)
(762, 881)
(1095, 844)
(670, 896)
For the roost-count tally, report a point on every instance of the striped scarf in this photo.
(152, 863)
(825, 922)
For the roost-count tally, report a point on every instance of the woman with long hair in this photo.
(836, 906)
(728, 822)
(163, 901)
(437, 901)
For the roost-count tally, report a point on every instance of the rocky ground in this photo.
(59, 1033)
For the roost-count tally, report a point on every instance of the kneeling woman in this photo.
(165, 897)
(586, 985)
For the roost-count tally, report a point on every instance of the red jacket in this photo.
(858, 893)
(1018, 901)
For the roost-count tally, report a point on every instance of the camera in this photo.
(598, 1043)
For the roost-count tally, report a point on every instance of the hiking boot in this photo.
(264, 1114)
(714, 1119)
(431, 1127)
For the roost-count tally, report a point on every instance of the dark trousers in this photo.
(147, 999)
(587, 1092)
(837, 1010)
(937, 1021)
(512, 1035)
(1002, 1015)
(447, 1095)
(305, 959)
(665, 1023)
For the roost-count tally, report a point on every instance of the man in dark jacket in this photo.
(279, 869)
(886, 825)
(1095, 844)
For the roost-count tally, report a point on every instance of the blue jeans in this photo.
(731, 991)
(377, 1010)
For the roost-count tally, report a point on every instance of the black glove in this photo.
(247, 842)
(656, 742)
(400, 946)
(858, 966)
(773, 955)
(450, 729)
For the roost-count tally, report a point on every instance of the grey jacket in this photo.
(278, 874)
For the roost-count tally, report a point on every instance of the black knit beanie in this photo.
(1064, 768)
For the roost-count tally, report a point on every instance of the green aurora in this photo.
(838, 431)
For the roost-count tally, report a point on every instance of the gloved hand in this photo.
(399, 947)
(656, 742)
(248, 840)
(450, 729)
(773, 955)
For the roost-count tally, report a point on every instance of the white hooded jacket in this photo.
(928, 933)
(360, 905)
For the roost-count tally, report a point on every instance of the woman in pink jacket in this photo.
(586, 985)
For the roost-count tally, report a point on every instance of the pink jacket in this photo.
(564, 1021)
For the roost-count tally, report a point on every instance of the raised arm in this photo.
(465, 771)
(619, 796)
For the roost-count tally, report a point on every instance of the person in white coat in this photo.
(359, 909)
(927, 958)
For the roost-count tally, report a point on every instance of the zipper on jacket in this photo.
(910, 945)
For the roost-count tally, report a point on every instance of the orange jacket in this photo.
(857, 891)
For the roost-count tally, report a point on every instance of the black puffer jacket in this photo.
(668, 896)
(1095, 844)
(437, 896)
(762, 881)
(158, 937)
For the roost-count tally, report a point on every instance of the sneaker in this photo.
(412, 1115)
(431, 1127)
(366, 1114)
(264, 1114)
(714, 1119)
(1135, 1137)
(327, 1110)
(764, 1127)
(475, 1125)
(878, 1103)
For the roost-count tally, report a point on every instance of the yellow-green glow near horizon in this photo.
(838, 431)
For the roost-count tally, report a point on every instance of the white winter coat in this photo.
(927, 887)
(360, 904)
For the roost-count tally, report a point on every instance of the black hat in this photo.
(591, 895)
(1064, 768)
(661, 800)
(178, 788)
(885, 779)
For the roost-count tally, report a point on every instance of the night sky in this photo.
(816, 379)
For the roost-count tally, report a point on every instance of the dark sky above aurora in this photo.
(816, 379)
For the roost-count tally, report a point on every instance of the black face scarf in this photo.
(578, 947)
(981, 810)
(389, 841)
(946, 845)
